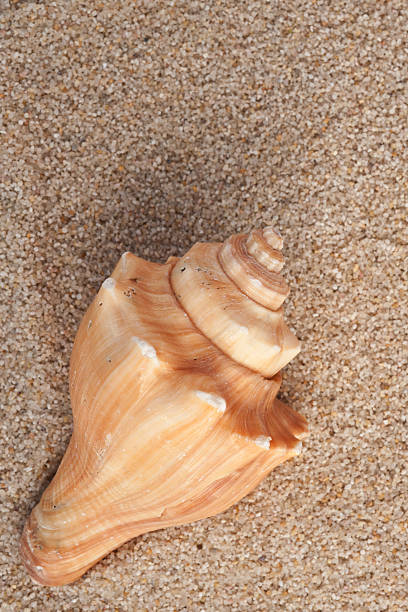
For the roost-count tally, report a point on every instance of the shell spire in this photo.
(233, 293)
(174, 376)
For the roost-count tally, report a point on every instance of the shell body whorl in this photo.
(174, 376)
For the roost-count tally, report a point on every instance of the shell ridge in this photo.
(100, 407)
(255, 279)
(232, 280)
(198, 330)
(266, 253)
(263, 417)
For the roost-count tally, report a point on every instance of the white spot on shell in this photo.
(39, 568)
(123, 258)
(108, 439)
(109, 283)
(216, 401)
(243, 329)
(147, 349)
(256, 282)
(263, 441)
(298, 448)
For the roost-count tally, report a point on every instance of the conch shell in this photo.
(174, 375)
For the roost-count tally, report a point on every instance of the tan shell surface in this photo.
(168, 428)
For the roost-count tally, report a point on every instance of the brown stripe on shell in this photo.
(254, 280)
(265, 252)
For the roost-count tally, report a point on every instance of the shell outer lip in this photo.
(31, 562)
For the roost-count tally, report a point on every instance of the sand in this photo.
(148, 126)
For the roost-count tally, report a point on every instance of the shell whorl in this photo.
(255, 280)
(233, 293)
(265, 246)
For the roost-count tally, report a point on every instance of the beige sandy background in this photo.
(148, 126)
